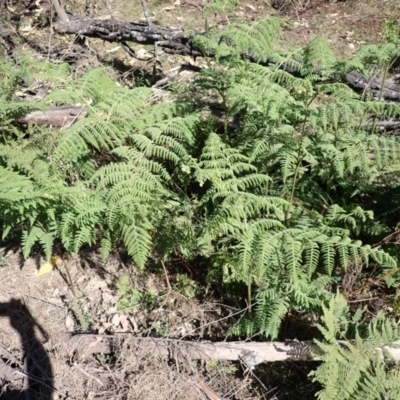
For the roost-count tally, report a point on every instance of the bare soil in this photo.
(35, 312)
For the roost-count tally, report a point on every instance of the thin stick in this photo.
(145, 12)
(109, 8)
(60, 11)
(91, 13)
(362, 300)
(71, 285)
(166, 276)
(372, 283)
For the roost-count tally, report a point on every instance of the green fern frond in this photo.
(375, 56)
(121, 176)
(12, 110)
(106, 246)
(84, 235)
(339, 91)
(37, 234)
(356, 369)
(318, 56)
(44, 71)
(312, 257)
(300, 254)
(135, 157)
(79, 222)
(253, 40)
(93, 87)
(138, 241)
(14, 186)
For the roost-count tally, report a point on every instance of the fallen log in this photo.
(57, 117)
(174, 41)
(113, 30)
(250, 353)
(390, 89)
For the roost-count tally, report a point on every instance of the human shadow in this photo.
(35, 366)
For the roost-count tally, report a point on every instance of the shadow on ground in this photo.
(35, 367)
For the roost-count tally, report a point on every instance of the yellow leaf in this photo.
(48, 267)
(44, 269)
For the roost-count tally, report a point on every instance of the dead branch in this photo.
(145, 11)
(250, 353)
(175, 72)
(113, 30)
(57, 117)
(65, 116)
(60, 11)
(385, 125)
(391, 89)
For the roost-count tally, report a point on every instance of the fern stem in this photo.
(293, 188)
(296, 172)
(166, 275)
(384, 79)
(299, 159)
(385, 74)
(249, 291)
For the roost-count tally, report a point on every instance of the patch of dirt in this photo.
(346, 25)
(36, 311)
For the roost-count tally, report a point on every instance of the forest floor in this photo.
(85, 294)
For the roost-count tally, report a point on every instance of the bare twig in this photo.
(27, 391)
(208, 392)
(177, 71)
(166, 276)
(375, 281)
(60, 11)
(145, 12)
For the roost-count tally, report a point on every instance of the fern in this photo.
(285, 255)
(271, 178)
(255, 40)
(91, 88)
(356, 369)
(106, 127)
(318, 56)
